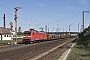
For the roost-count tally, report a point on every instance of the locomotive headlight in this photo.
(24, 36)
(29, 36)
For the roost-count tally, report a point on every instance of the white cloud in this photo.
(83, 1)
(70, 7)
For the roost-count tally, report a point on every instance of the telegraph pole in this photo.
(11, 25)
(83, 19)
(69, 27)
(15, 12)
(57, 28)
(4, 21)
(69, 31)
(48, 27)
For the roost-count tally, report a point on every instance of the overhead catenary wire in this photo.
(23, 24)
(35, 21)
(25, 19)
(30, 20)
(19, 16)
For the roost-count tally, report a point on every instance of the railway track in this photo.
(30, 51)
(57, 53)
(51, 53)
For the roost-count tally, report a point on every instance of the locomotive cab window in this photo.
(27, 32)
(33, 33)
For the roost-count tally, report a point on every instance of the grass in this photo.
(28, 53)
(79, 52)
(6, 41)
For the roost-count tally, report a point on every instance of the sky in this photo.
(56, 14)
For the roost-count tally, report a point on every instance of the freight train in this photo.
(34, 36)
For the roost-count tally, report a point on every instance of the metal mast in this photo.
(83, 19)
(15, 12)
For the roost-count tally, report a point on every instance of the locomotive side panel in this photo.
(33, 35)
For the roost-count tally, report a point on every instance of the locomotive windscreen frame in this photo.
(27, 32)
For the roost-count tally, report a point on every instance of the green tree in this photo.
(19, 33)
(84, 36)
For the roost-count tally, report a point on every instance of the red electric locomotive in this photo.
(33, 35)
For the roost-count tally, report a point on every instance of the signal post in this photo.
(15, 12)
(11, 25)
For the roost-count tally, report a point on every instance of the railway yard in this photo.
(44, 30)
(49, 50)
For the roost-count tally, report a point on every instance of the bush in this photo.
(87, 43)
(19, 33)
(84, 37)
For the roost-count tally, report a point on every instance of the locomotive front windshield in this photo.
(27, 32)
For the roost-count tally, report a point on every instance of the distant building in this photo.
(5, 34)
(13, 32)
